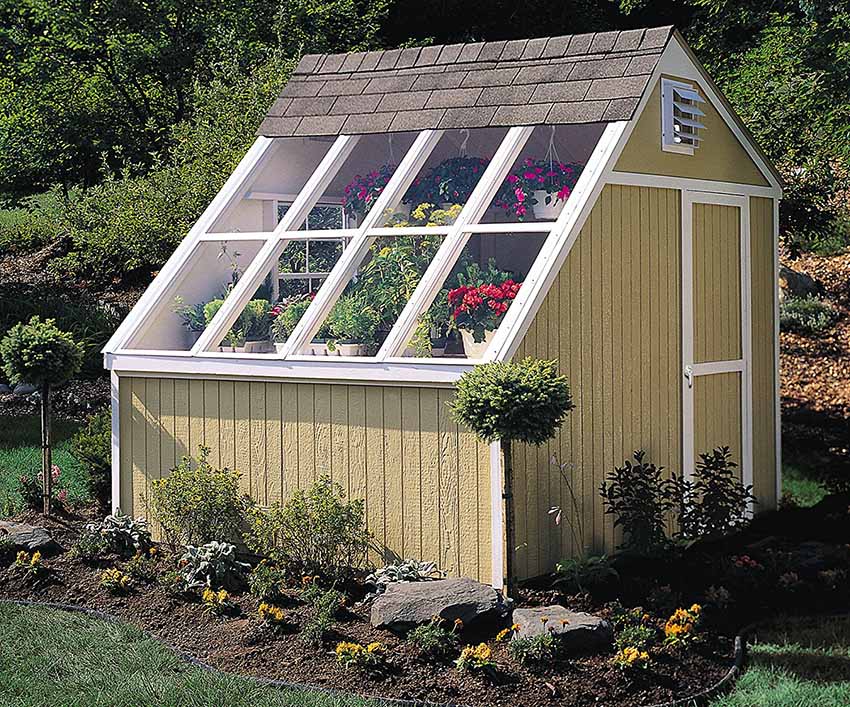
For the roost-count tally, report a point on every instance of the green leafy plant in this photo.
(122, 534)
(39, 353)
(585, 573)
(451, 181)
(326, 605)
(266, 582)
(434, 641)
(638, 496)
(197, 503)
(806, 315)
(316, 532)
(633, 627)
(89, 546)
(287, 318)
(212, 565)
(31, 565)
(142, 567)
(92, 445)
(351, 321)
(524, 401)
(535, 651)
(403, 571)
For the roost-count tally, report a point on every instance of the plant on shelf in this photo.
(542, 184)
(252, 324)
(285, 316)
(351, 325)
(191, 315)
(450, 182)
(362, 191)
(426, 214)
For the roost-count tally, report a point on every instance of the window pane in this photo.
(322, 217)
(542, 178)
(445, 182)
(280, 177)
(473, 299)
(368, 308)
(195, 295)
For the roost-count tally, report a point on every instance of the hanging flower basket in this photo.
(450, 182)
(542, 184)
(362, 192)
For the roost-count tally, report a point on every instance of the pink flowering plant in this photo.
(451, 182)
(557, 179)
(361, 192)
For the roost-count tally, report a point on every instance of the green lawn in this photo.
(20, 453)
(796, 663)
(50, 658)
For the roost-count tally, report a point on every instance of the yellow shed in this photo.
(405, 215)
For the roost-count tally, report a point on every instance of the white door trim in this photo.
(744, 364)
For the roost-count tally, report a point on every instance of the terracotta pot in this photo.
(473, 349)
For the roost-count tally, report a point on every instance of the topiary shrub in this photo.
(316, 532)
(92, 445)
(40, 353)
(525, 402)
(197, 503)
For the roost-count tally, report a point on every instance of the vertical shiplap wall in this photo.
(612, 321)
(762, 255)
(426, 483)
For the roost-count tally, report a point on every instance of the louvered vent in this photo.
(682, 127)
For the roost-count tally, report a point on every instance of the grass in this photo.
(796, 663)
(799, 482)
(52, 658)
(20, 453)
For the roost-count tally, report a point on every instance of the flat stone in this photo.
(24, 389)
(27, 537)
(577, 631)
(407, 604)
(797, 284)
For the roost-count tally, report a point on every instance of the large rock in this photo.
(4, 389)
(27, 537)
(797, 284)
(24, 389)
(577, 631)
(407, 604)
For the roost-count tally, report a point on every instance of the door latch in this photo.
(689, 375)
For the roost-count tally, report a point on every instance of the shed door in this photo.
(715, 328)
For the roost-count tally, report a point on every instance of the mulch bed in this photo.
(241, 644)
(75, 400)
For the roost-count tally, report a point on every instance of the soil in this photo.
(75, 400)
(241, 644)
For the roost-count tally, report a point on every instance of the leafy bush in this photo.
(142, 566)
(715, 502)
(535, 651)
(197, 503)
(286, 321)
(316, 532)
(212, 565)
(40, 353)
(403, 571)
(433, 641)
(351, 321)
(35, 224)
(638, 496)
(640, 636)
(89, 546)
(806, 315)
(585, 574)
(266, 582)
(92, 445)
(122, 534)
(326, 605)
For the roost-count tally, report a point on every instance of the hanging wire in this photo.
(464, 143)
(552, 152)
(390, 145)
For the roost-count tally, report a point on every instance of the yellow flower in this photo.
(458, 624)
(375, 647)
(36, 558)
(514, 627)
(22, 558)
(503, 634)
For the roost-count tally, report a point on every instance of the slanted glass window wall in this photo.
(403, 247)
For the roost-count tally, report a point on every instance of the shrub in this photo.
(358, 655)
(141, 566)
(715, 502)
(316, 532)
(630, 658)
(510, 401)
(433, 641)
(92, 445)
(806, 315)
(326, 604)
(633, 628)
(197, 503)
(122, 534)
(284, 323)
(585, 574)
(217, 603)
(212, 565)
(266, 582)
(681, 627)
(89, 546)
(173, 584)
(475, 659)
(535, 651)
(403, 571)
(115, 581)
(638, 496)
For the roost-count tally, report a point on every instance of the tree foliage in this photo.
(40, 353)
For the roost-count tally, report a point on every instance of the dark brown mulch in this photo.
(240, 644)
(75, 400)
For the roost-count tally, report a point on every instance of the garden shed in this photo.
(405, 215)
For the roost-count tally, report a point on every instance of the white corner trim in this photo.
(115, 440)
(497, 520)
(777, 382)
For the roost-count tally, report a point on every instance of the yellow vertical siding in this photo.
(426, 482)
(763, 284)
(717, 414)
(612, 321)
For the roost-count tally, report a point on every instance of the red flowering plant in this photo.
(517, 193)
(481, 299)
(451, 182)
(362, 191)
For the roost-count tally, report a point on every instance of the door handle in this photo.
(689, 375)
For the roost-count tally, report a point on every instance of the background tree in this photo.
(524, 401)
(40, 353)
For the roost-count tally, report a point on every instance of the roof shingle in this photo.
(567, 79)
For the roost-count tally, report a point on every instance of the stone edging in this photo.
(700, 698)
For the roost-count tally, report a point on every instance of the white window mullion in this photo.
(455, 241)
(255, 272)
(351, 256)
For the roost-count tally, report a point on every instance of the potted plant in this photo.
(450, 182)
(426, 214)
(478, 311)
(351, 327)
(545, 185)
(285, 315)
(192, 319)
(249, 334)
(362, 191)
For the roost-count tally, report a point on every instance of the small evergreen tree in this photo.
(40, 353)
(523, 402)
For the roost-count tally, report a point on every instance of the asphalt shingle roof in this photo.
(582, 78)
